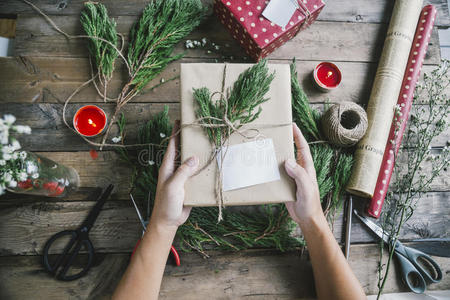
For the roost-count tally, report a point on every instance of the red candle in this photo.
(89, 120)
(327, 76)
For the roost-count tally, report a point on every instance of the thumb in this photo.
(294, 170)
(186, 170)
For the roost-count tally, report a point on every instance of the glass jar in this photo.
(46, 177)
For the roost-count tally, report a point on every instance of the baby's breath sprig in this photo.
(12, 168)
(428, 120)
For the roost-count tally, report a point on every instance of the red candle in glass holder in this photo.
(89, 120)
(327, 76)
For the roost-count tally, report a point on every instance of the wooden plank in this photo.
(52, 80)
(26, 226)
(256, 274)
(362, 11)
(322, 41)
(51, 134)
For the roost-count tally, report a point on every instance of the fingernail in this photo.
(192, 161)
(291, 163)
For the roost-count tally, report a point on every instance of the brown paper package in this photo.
(200, 189)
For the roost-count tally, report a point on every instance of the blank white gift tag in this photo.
(280, 11)
(248, 164)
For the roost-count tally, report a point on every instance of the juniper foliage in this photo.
(241, 103)
(153, 37)
(96, 23)
(333, 165)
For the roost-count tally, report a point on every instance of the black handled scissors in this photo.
(77, 239)
(417, 268)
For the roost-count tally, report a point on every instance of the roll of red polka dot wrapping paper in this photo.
(404, 103)
(257, 35)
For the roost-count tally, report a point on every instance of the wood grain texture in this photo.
(254, 274)
(25, 227)
(362, 11)
(52, 80)
(51, 134)
(323, 40)
(108, 168)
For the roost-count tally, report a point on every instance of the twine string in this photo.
(344, 124)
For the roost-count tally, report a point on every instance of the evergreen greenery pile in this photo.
(333, 165)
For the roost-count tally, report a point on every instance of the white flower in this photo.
(9, 119)
(116, 139)
(4, 134)
(35, 175)
(12, 183)
(23, 155)
(6, 156)
(4, 139)
(15, 155)
(7, 177)
(203, 41)
(31, 168)
(151, 162)
(162, 135)
(22, 129)
(22, 176)
(2, 162)
(7, 149)
(15, 145)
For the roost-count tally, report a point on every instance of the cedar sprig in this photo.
(306, 117)
(332, 164)
(96, 23)
(243, 101)
(162, 25)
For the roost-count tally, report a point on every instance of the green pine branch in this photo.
(153, 37)
(306, 117)
(243, 101)
(96, 23)
(333, 165)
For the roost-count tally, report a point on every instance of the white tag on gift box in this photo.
(248, 164)
(280, 11)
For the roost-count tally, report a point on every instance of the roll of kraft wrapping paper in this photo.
(386, 88)
(405, 99)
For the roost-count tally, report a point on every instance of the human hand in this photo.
(168, 210)
(307, 207)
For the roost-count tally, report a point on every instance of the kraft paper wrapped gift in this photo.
(273, 123)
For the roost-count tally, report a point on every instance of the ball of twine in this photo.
(344, 124)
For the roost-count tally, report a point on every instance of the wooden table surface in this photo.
(47, 68)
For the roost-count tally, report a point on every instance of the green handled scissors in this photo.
(417, 268)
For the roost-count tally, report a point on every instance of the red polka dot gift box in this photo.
(258, 35)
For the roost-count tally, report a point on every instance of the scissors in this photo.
(144, 224)
(417, 268)
(78, 238)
